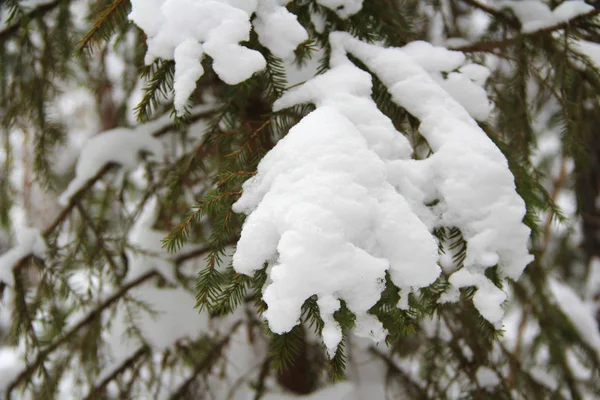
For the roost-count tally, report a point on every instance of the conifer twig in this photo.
(127, 363)
(491, 45)
(35, 13)
(498, 14)
(74, 200)
(91, 316)
(206, 363)
(110, 12)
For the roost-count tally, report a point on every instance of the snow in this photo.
(317, 203)
(467, 171)
(216, 28)
(463, 82)
(11, 365)
(29, 241)
(488, 298)
(323, 204)
(173, 315)
(116, 146)
(590, 50)
(188, 69)
(487, 378)
(278, 29)
(185, 30)
(343, 8)
(534, 15)
(578, 312)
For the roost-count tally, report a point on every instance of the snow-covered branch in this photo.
(100, 154)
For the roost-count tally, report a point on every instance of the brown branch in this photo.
(90, 222)
(91, 316)
(102, 19)
(126, 364)
(180, 259)
(389, 362)
(498, 14)
(161, 129)
(492, 45)
(206, 363)
(33, 14)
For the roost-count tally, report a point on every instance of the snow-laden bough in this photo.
(338, 201)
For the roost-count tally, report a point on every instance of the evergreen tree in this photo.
(321, 199)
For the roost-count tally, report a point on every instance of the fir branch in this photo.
(161, 129)
(490, 46)
(42, 356)
(37, 12)
(161, 75)
(207, 363)
(497, 14)
(129, 362)
(105, 25)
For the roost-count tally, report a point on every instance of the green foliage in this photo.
(160, 83)
(105, 25)
(197, 186)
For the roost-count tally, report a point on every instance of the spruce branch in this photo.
(207, 363)
(160, 129)
(104, 25)
(490, 46)
(129, 362)
(497, 14)
(37, 12)
(42, 356)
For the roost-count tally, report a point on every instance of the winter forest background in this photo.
(281, 199)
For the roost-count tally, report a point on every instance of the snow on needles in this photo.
(535, 15)
(338, 201)
(119, 146)
(185, 30)
(467, 175)
(29, 241)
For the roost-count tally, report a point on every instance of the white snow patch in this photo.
(590, 50)
(29, 241)
(578, 312)
(343, 8)
(185, 30)
(119, 146)
(487, 378)
(278, 29)
(534, 15)
(469, 173)
(11, 366)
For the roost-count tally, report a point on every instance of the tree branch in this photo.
(127, 363)
(91, 316)
(498, 14)
(160, 128)
(35, 13)
(206, 363)
(491, 45)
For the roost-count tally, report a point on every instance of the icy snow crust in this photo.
(338, 201)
